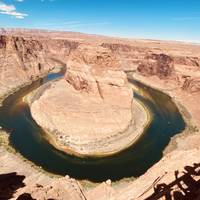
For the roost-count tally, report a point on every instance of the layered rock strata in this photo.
(24, 59)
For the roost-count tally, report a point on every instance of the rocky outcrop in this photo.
(189, 61)
(160, 65)
(128, 55)
(95, 97)
(95, 56)
(117, 48)
(192, 85)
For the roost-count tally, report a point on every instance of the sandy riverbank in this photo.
(13, 90)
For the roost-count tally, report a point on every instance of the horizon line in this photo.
(194, 42)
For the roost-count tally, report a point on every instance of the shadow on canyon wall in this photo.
(27, 196)
(9, 183)
(184, 187)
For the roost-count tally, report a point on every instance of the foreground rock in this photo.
(19, 178)
(34, 183)
(61, 188)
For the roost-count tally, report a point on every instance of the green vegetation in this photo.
(3, 138)
(193, 129)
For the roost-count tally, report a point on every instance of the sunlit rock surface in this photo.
(89, 108)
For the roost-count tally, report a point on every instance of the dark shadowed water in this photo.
(27, 138)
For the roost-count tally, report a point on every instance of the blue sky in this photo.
(153, 19)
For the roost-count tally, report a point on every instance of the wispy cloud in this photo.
(19, 0)
(73, 24)
(187, 18)
(88, 24)
(11, 10)
(60, 23)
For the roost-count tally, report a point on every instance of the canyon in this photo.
(93, 104)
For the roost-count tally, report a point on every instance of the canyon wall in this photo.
(24, 59)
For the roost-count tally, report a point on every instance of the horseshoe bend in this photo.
(95, 108)
(91, 111)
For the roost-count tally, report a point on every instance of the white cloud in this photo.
(11, 10)
(19, 0)
(7, 8)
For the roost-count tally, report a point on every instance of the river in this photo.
(28, 138)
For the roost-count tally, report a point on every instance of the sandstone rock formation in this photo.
(157, 64)
(24, 59)
(95, 97)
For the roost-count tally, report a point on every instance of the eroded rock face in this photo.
(157, 64)
(24, 59)
(191, 85)
(190, 61)
(62, 188)
(95, 56)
